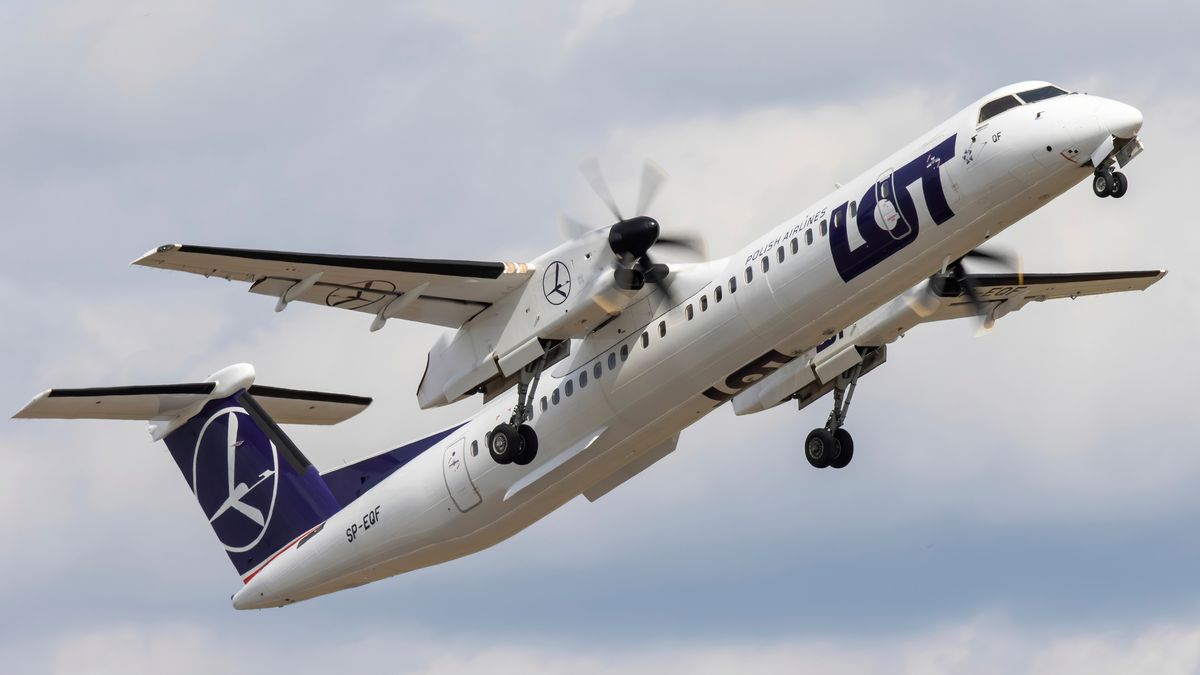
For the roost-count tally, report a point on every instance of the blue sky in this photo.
(1021, 502)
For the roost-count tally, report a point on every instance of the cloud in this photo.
(1045, 472)
(978, 645)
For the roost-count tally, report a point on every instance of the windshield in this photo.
(993, 108)
(1041, 93)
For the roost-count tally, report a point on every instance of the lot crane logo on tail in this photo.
(240, 500)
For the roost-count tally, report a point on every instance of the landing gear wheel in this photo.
(1102, 183)
(505, 443)
(820, 448)
(529, 445)
(1120, 185)
(845, 449)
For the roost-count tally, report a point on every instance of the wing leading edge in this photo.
(441, 292)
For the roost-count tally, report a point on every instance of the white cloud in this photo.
(979, 645)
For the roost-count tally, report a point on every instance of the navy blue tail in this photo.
(255, 488)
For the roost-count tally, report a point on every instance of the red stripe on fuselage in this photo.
(279, 553)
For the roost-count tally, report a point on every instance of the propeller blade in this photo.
(693, 244)
(590, 168)
(653, 178)
(570, 228)
(1005, 258)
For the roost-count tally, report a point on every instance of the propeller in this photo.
(630, 239)
(969, 285)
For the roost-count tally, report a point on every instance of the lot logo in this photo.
(886, 218)
(235, 477)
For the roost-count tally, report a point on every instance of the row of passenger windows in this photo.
(718, 293)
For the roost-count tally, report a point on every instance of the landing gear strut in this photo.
(831, 445)
(516, 442)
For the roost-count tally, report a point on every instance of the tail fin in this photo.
(255, 488)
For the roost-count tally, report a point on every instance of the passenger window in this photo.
(853, 209)
(583, 379)
(596, 370)
(624, 353)
(687, 311)
(569, 387)
(717, 293)
(766, 264)
(733, 284)
(779, 254)
(544, 405)
(612, 361)
(662, 329)
(645, 340)
(808, 237)
(824, 227)
(993, 108)
(839, 219)
(475, 444)
(554, 397)
(749, 275)
(704, 303)
(795, 246)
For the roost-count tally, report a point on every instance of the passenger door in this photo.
(458, 481)
(887, 214)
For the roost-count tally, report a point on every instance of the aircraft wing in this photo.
(441, 292)
(1008, 292)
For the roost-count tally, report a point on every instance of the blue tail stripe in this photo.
(350, 482)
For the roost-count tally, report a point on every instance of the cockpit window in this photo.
(993, 108)
(1041, 93)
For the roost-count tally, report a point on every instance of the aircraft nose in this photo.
(1119, 119)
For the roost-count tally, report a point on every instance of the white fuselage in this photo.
(450, 501)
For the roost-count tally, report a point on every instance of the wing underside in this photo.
(441, 292)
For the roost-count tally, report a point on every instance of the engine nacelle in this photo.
(571, 293)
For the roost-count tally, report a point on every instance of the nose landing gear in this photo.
(832, 446)
(1109, 183)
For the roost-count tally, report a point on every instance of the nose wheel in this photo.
(1108, 183)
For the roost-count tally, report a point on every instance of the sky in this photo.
(1019, 502)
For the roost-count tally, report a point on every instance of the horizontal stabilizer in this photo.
(115, 403)
(295, 406)
(167, 405)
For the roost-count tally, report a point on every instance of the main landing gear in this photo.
(1109, 183)
(832, 446)
(516, 442)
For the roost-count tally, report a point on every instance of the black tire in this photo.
(820, 448)
(1102, 183)
(845, 449)
(504, 444)
(1120, 185)
(529, 445)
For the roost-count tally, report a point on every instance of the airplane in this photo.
(594, 357)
